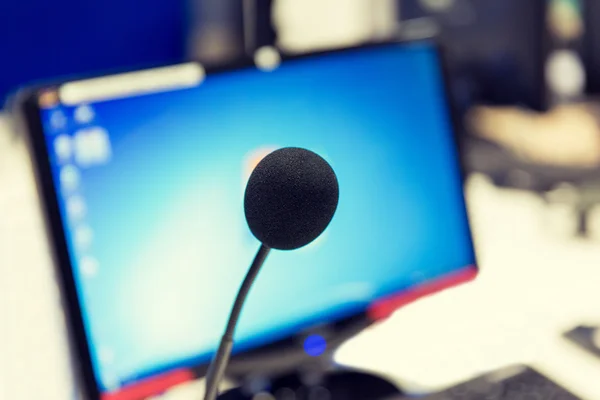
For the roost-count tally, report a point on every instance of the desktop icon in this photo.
(58, 120)
(76, 208)
(69, 178)
(106, 356)
(84, 114)
(83, 237)
(63, 148)
(252, 160)
(111, 381)
(48, 99)
(88, 266)
(92, 146)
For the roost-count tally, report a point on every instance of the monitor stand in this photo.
(340, 384)
(302, 369)
(321, 379)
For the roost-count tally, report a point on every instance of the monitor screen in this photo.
(150, 191)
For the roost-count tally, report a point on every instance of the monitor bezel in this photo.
(30, 114)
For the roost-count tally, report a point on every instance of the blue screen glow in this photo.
(151, 195)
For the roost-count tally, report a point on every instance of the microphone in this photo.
(290, 199)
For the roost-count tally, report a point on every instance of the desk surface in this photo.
(535, 283)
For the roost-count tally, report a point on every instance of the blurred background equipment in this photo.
(564, 69)
(517, 74)
(495, 49)
(66, 38)
(508, 53)
(587, 337)
(41, 40)
(592, 46)
(260, 29)
(324, 24)
(216, 30)
(510, 383)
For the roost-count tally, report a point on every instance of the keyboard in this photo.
(587, 338)
(514, 383)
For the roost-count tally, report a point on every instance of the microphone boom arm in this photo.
(217, 367)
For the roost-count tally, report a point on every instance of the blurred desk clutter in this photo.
(556, 154)
(568, 136)
(511, 383)
(587, 337)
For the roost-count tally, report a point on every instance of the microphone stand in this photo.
(217, 367)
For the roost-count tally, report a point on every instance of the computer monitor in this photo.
(591, 44)
(143, 175)
(496, 50)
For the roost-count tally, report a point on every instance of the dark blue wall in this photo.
(44, 39)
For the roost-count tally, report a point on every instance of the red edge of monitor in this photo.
(152, 386)
(385, 307)
(378, 311)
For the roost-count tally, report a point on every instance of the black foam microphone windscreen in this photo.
(290, 199)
